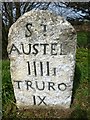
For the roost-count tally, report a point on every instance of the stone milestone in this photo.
(41, 48)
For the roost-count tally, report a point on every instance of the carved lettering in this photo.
(18, 84)
(62, 86)
(29, 49)
(41, 86)
(44, 27)
(42, 100)
(45, 50)
(53, 49)
(29, 85)
(37, 48)
(14, 49)
(28, 30)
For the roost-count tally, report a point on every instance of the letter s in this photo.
(28, 32)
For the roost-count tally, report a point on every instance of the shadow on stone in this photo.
(77, 77)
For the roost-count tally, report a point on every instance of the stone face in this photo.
(41, 48)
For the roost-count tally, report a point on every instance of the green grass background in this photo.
(80, 105)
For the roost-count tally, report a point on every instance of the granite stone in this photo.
(42, 48)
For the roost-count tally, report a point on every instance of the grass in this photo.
(82, 39)
(80, 108)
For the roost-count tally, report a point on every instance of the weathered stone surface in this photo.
(41, 48)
